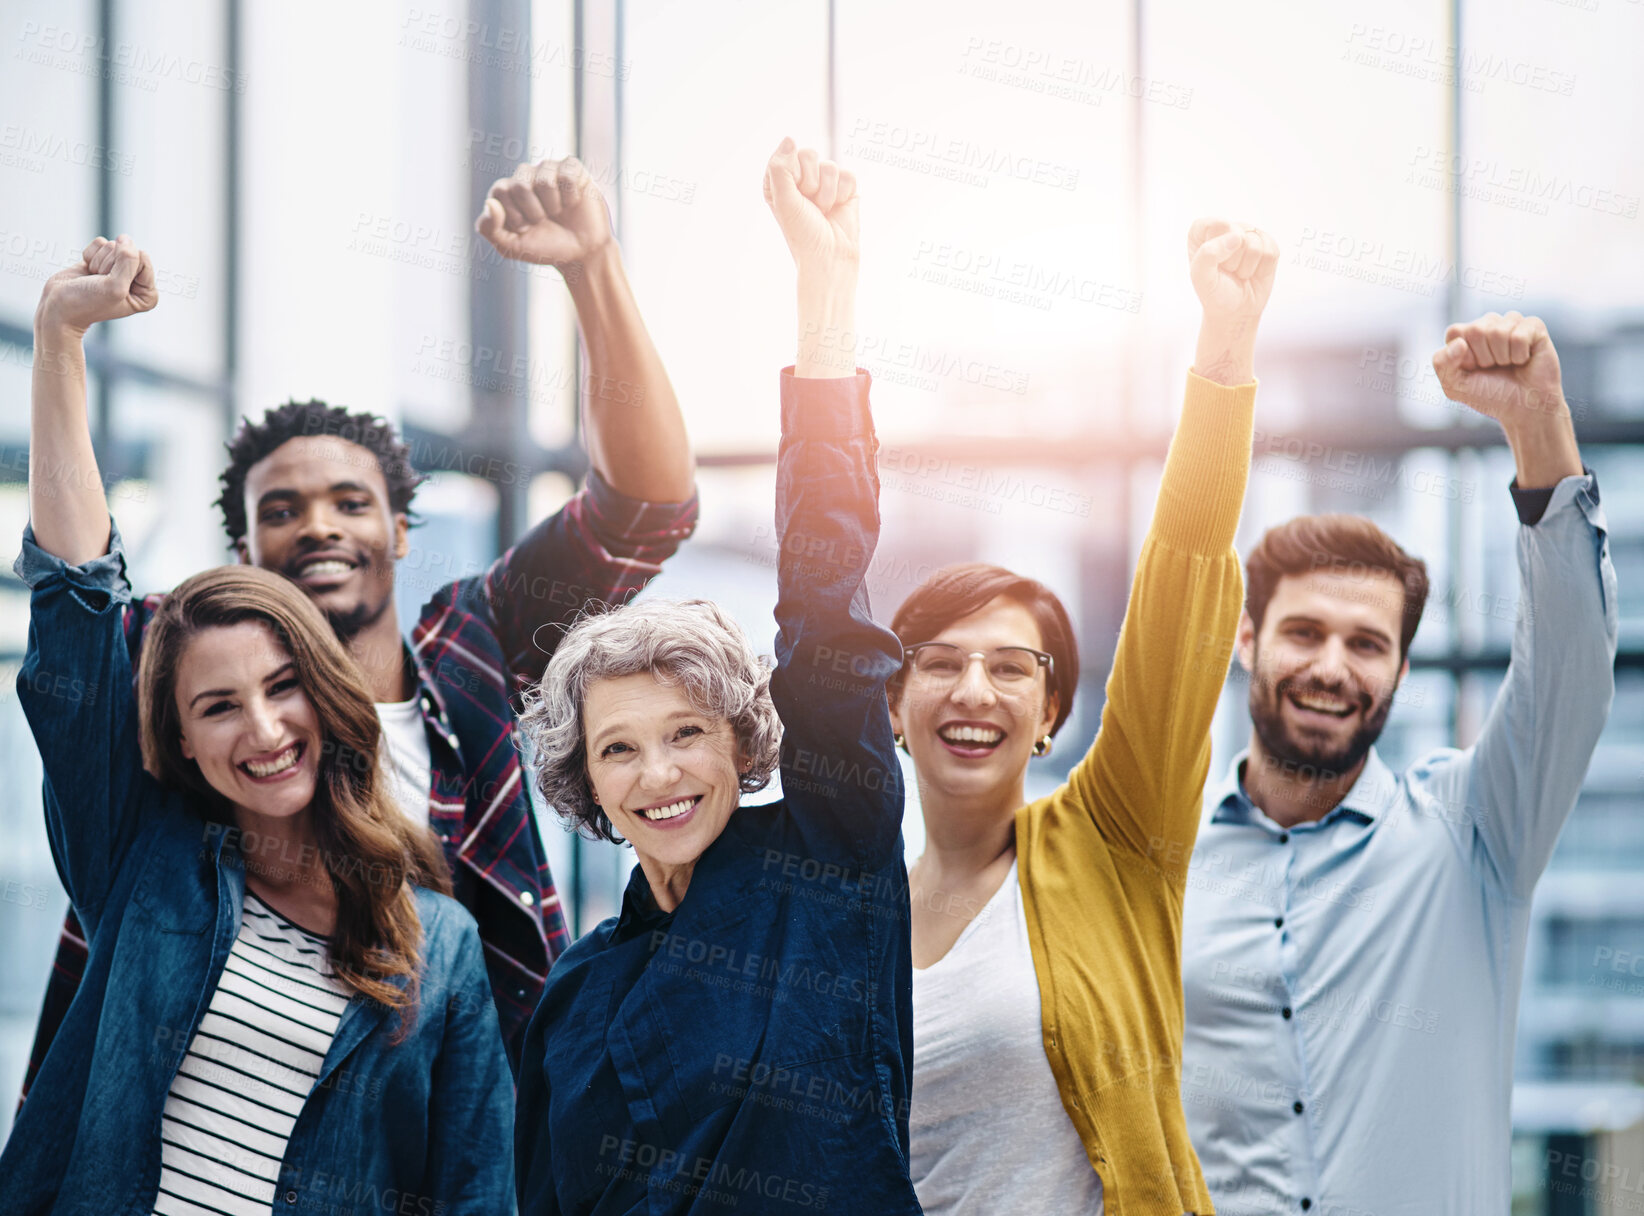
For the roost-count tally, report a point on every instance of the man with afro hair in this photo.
(323, 496)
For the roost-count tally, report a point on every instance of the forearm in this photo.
(827, 323)
(636, 433)
(1544, 446)
(1226, 351)
(66, 500)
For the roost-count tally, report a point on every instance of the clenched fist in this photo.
(113, 279)
(1504, 367)
(815, 203)
(1233, 267)
(550, 213)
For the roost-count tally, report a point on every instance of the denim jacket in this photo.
(422, 1126)
(752, 1050)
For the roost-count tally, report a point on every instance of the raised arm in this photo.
(1524, 773)
(839, 769)
(67, 504)
(553, 213)
(1142, 778)
(611, 539)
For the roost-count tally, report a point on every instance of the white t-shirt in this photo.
(406, 762)
(987, 1127)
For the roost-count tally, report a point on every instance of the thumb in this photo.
(781, 184)
(489, 223)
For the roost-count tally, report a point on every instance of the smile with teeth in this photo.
(987, 736)
(672, 811)
(325, 568)
(277, 765)
(1322, 704)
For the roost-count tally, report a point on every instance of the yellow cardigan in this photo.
(1103, 860)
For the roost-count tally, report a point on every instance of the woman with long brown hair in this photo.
(281, 1007)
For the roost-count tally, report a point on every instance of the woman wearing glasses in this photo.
(1047, 990)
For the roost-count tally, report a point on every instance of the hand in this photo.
(1233, 267)
(550, 213)
(1504, 367)
(814, 202)
(113, 279)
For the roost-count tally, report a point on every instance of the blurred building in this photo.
(306, 177)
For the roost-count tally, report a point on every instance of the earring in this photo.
(899, 741)
(1042, 748)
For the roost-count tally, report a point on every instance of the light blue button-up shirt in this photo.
(1352, 984)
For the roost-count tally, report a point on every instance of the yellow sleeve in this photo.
(1143, 778)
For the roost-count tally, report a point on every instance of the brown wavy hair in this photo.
(371, 852)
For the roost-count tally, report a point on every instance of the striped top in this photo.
(248, 1071)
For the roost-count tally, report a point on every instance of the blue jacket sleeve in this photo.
(75, 689)
(1531, 756)
(839, 771)
(471, 1099)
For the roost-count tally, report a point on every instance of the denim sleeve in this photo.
(839, 771)
(1527, 767)
(75, 689)
(471, 1098)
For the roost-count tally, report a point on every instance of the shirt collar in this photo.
(1369, 796)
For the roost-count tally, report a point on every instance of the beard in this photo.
(1310, 759)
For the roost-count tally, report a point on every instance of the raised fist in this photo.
(1504, 367)
(814, 202)
(1233, 267)
(113, 279)
(551, 213)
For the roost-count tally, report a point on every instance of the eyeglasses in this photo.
(1008, 668)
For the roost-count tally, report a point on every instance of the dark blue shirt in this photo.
(420, 1126)
(752, 1050)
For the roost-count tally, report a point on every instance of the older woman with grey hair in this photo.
(739, 1035)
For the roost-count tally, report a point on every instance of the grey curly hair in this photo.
(691, 643)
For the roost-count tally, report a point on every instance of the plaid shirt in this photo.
(478, 643)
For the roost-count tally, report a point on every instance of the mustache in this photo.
(1346, 690)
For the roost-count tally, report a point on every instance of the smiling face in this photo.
(1325, 667)
(968, 740)
(317, 512)
(246, 720)
(665, 773)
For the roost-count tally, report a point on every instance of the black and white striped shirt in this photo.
(248, 1070)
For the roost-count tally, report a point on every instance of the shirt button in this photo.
(1306, 1203)
(452, 740)
(1297, 1107)
(1278, 922)
(526, 898)
(1286, 1012)
(1284, 837)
